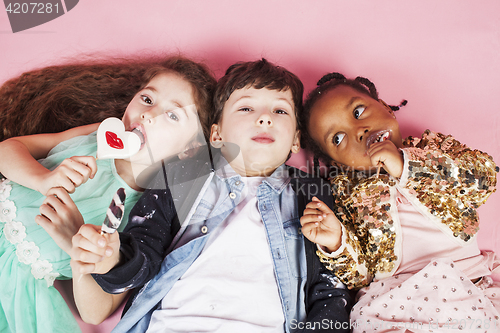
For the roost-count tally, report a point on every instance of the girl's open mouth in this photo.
(377, 137)
(140, 134)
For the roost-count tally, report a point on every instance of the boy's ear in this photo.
(296, 142)
(215, 138)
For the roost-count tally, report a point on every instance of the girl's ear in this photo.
(381, 101)
(387, 107)
(215, 138)
(296, 143)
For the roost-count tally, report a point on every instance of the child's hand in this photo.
(70, 174)
(321, 226)
(60, 217)
(93, 252)
(387, 155)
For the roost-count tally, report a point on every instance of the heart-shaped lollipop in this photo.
(114, 142)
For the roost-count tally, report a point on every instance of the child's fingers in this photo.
(314, 204)
(62, 195)
(52, 202)
(377, 159)
(80, 171)
(48, 214)
(319, 205)
(384, 145)
(307, 228)
(44, 222)
(310, 219)
(53, 208)
(74, 171)
(75, 175)
(387, 155)
(310, 231)
(312, 211)
(89, 162)
(83, 268)
(93, 234)
(62, 180)
(382, 151)
(87, 257)
(87, 251)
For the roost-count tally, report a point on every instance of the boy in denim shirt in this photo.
(219, 249)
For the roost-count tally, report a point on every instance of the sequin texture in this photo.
(443, 177)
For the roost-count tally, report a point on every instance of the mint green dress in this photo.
(30, 260)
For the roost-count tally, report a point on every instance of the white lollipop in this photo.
(114, 142)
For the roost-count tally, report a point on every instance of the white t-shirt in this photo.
(231, 286)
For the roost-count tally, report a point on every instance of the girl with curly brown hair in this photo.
(54, 183)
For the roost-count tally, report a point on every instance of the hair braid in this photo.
(330, 77)
(368, 84)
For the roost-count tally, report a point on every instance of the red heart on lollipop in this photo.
(113, 140)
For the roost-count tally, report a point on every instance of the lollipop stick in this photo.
(379, 165)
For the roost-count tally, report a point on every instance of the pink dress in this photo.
(431, 290)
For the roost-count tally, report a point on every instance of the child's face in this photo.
(164, 112)
(346, 122)
(262, 123)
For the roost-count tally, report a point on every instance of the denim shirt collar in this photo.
(278, 180)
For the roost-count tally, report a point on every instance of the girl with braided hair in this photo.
(54, 183)
(404, 227)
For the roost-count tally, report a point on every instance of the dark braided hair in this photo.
(324, 85)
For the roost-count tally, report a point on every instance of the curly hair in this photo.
(56, 98)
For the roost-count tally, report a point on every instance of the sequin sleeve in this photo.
(449, 179)
(367, 247)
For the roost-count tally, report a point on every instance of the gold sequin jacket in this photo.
(444, 180)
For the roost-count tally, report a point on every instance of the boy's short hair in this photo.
(257, 74)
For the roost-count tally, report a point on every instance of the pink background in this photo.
(442, 56)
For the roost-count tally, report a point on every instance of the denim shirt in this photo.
(277, 205)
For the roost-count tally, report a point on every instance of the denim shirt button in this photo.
(232, 195)
(237, 183)
(204, 229)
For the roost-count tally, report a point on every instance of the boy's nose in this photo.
(265, 119)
